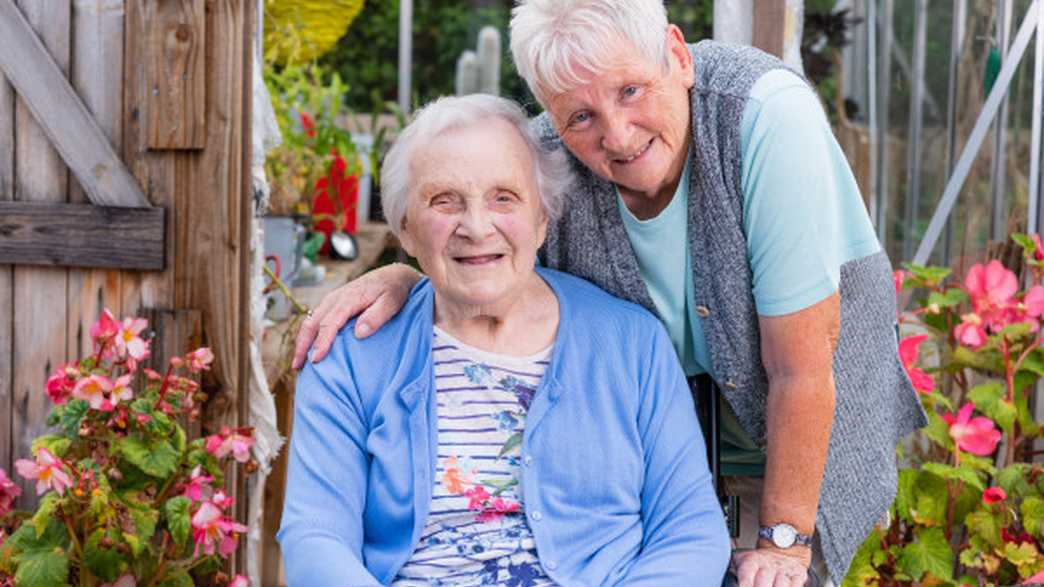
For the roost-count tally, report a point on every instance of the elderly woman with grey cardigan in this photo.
(711, 191)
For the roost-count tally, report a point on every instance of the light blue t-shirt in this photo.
(803, 217)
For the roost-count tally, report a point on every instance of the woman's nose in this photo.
(476, 223)
(616, 135)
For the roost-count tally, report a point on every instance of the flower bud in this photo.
(250, 467)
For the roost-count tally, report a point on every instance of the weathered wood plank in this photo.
(769, 25)
(97, 76)
(39, 336)
(175, 333)
(59, 110)
(154, 170)
(81, 235)
(7, 106)
(176, 102)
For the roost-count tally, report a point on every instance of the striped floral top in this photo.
(476, 533)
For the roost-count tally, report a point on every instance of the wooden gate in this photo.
(147, 104)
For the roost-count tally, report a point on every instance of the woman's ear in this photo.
(405, 238)
(680, 55)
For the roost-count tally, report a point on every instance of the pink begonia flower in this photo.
(212, 531)
(899, 276)
(48, 471)
(993, 495)
(239, 581)
(105, 328)
(94, 390)
(992, 289)
(61, 384)
(199, 359)
(198, 488)
(121, 390)
(223, 500)
(237, 442)
(908, 351)
(975, 435)
(124, 581)
(1038, 254)
(1033, 302)
(8, 493)
(970, 332)
(129, 341)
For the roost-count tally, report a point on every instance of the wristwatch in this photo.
(784, 535)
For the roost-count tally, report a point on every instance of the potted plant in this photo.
(125, 497)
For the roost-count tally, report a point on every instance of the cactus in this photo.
(479, 71)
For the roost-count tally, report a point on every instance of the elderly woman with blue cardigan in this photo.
(711, 191)
(511, 425)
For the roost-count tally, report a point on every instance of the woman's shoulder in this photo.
(580, 300)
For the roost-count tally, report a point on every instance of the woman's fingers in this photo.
(336, 308)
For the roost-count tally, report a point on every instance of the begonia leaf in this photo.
(938, 431)
(105, 562)
(905, 494)
(930, 503)
(157, 459)
(1033, 515)
(42, 568)
(1034, 363)
(45, 513)
(985, 525)
(145, 520)
(983, 359)
(929, 553)
(55, 443)
(952, 473)
(70, 415)
(1021, 554)
(176, 513)
(990, 399)
(1013, 479)
(927, 277)
(177, 578)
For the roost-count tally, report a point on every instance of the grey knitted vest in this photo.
(876, 405)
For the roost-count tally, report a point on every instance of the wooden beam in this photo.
(81, 235)
(62, 114)
(769, 26)
(176, 102)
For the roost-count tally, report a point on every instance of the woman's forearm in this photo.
(800, 413)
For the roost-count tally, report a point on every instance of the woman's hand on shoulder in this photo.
(375, 297)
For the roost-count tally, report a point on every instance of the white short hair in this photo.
(551, 166)
(558, 45)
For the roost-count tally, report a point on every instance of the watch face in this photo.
(784, 535)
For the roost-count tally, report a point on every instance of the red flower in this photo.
(308, 124)
(8, 492)
(975, 435)
(477, 497)
(898, 276)
(908, 351)
(992, 289)
(970, 332)
(1038, 254)
(61, 384)
(993, 495)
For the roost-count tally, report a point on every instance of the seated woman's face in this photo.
(474, 219)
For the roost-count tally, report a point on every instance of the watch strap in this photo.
(766, 532)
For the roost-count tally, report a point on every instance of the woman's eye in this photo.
(579, 118)
(506, 197)
(630, 91)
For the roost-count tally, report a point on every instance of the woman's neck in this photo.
(523, 324)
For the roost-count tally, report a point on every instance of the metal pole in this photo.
(871, 99)
(1033, 221)
(405, 54)
(982, 124)
(913, 143)
(998, 226)
(960, 17)
(885, 64)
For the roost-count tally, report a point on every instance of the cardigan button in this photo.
(730, 384)
(702, 311)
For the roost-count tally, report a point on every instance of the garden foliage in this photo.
(970, 504)
(125, 497)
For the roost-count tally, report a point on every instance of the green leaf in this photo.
(953, 297)
(145, 526)
(104, 562)
(1021, 554)
(967, 475)
(927, 277)
(904, 496)
(45, 513)
(983, 360)
(157, 459)
(179, 439)
(985, 525)
(989, 398)
(1033, 515)
(1034, 363)
(55, 443)
(978, 463)
(178, 578)
(930, 508)
(1026, 242)
(930, 553)
(72, 413)
(42, 568)
(1016, 332)
(176, 513)
(1013, 479)
(938, 431)
(513, 441)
